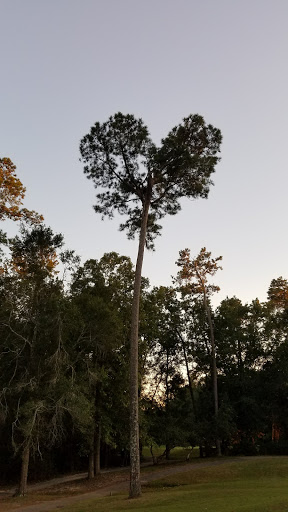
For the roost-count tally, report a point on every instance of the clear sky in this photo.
(68, 63)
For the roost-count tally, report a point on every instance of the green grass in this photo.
(259, 485)
(177, 453)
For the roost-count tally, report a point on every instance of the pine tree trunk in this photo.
(97, 445)
(135, 484)
(188, 375)
(214, 371)
(24, 471)
(91, 473)
(167, 452)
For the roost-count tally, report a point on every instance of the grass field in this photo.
(177, 453)
(257, 484)
(247, 485)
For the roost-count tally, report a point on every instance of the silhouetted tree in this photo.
(145, 182)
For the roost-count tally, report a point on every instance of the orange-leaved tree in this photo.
(12, 193)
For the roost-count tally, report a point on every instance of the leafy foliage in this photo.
(129, 169)
(12, 194)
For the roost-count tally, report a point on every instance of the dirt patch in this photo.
(85, 485)
(61, 491)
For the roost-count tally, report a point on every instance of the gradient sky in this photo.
(68, 63)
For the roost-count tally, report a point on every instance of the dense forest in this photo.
(209, 377)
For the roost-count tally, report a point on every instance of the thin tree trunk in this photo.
(91, 473)
(188, 374)
(167, 451)
(214, 370)
(240, 362)
(167, 402)
(97, 445)
(135, 484)
(24, 471)
(97, 430)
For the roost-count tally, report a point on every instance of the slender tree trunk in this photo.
(91, 473)
(167, 451)
(24, 471)
(135, 484)
(240, 362)
(97, 430)
(167, 403)
(188, 373)
(106, 456)
(214, 370)
(97, 445)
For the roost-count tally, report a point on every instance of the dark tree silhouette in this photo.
(136, 178)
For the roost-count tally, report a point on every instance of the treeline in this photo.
(212, 378)
(64, 365)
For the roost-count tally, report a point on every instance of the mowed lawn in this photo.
(248, 485)
(177, 453)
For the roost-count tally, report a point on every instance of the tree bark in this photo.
(97, 445)
(214, 370)
(188, 374)
(24, 471)
(135, 484)
(167, 451)
(91, 473)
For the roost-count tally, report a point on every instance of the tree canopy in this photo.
(12, 193)
(128, 169)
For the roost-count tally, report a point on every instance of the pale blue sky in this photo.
(68, 63)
